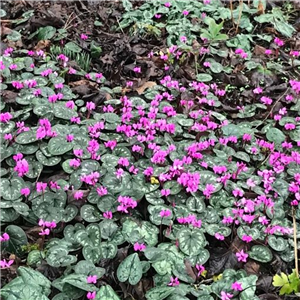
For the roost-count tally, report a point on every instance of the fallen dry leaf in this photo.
(145, 86)
(42, 45)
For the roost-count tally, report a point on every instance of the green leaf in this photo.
(59, 145)
(57, 256)
(35, 257)
(159, 293)
(79, 281)
(191, 241)
(26, 137)
(90, 236)
(71, 46)
(127, 5)
(46, 33)
(91, 253)
(47, 161)
(278, 244)
(11, 189)
(108, 250)
(275, 135)
(17, 238)
(106, 293)
(261, 254)
(14, 36)
(130, 269)
(35, 278)
(280, 280)
(90, 213)
(203, 77)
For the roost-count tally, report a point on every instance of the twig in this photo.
(231, 11)
(295, 243)
(240, 16)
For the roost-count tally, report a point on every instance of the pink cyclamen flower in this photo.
(165, 192)
(247, 238)
(183, 39)
(4, 237)
(45, 231)
(200, 269)
(242, 256)
(165, 213)
(237, 286)
(41, 186)
(173, 281)
(289, 126)
(137, 69)
(90, 105)
(268, 51)
(294, 53)
(219, 236)
(91, 279)
(84, 36)
(6, 264)
(206, 64)
(278, 42)
(226, 296)
(266, 100)
(258, 90)
(91, 295)
(168, 4)
(25, 191)
(108, 215)
(185, 12)
(22, 167)
(78, 195)
(139, 247)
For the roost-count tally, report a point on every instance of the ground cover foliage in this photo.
(150, 150)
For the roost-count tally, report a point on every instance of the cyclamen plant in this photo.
(166, 181)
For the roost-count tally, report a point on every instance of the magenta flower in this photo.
(185, 12)
(174, 281)
(200, 269)
(183, 39)
(226, 296)
(45, 231)
(258, 90)
(137, 69)
(22, 167)
(206, 64)
(139, 247)
(289, 126)
(242, 256)
(247, 238)
(84, 36)
(6, 264)
(5, 117)
(101, 191)
(278, 42)
(90, 105)
(168, 4)
(268, 51)
(237, 286)
(4, 237)
(91, 295)
(25, 191)
(78, 195)
(266, 100)
(108, 215)
(294, 53)
(91, 279)
(165, 192)
(41, 187)
(219, 236)
(165, 213)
